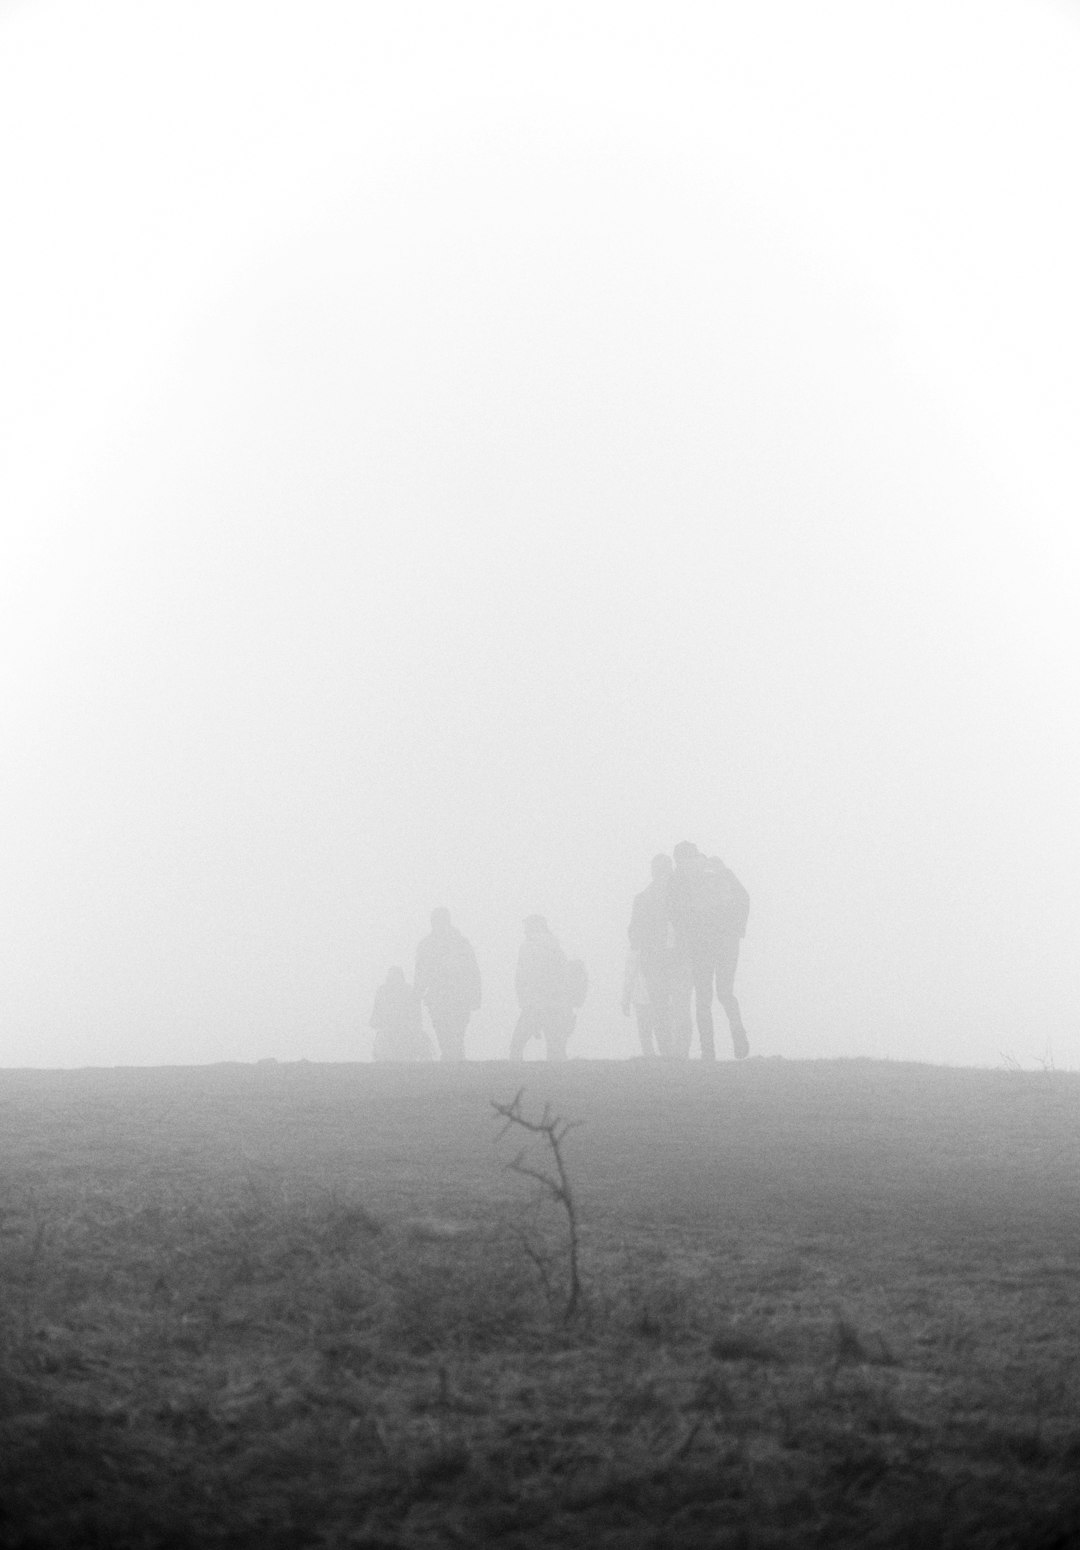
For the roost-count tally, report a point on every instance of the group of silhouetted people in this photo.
(550, 989)
(685, 929)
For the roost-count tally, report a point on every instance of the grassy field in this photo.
(825, 1304)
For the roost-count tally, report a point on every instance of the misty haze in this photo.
(452, 465)
(540, 996)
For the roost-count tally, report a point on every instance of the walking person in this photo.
(708, 907)
(447, 980)
(546, 992)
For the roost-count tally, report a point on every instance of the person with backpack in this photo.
(447, 980)
(550, 989)
(708, 906)
(398, 1021)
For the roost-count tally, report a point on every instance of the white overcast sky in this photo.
(451, 452)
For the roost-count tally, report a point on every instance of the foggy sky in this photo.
(450, 458)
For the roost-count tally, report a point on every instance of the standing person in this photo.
(545, 992)
(661, 961)
(709, 907)
(447, 980)
(398, 1021)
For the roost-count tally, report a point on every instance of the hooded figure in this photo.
(398, 1021)
(447, 980)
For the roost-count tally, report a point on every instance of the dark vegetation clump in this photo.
(314, 1308)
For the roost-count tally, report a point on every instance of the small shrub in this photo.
(555, 1186)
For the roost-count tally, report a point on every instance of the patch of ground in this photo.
(826, 1304)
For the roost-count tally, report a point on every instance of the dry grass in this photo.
(823, 1305)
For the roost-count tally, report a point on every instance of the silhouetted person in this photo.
(545, 992)
(709, 907)
(662, 963)
(398, 1021)
(447, 980)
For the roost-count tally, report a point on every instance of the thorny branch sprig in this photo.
(554, 1186)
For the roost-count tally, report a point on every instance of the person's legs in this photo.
(658, 986)
(682, 1011)
(450, 1024)
(646, 1027)
(727, 961)
(526, 1028)
(702, 966)
(558, 1026)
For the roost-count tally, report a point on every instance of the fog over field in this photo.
(451, 453)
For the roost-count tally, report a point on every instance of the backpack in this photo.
(576, 983)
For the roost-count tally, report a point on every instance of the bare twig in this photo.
(555, 1186)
